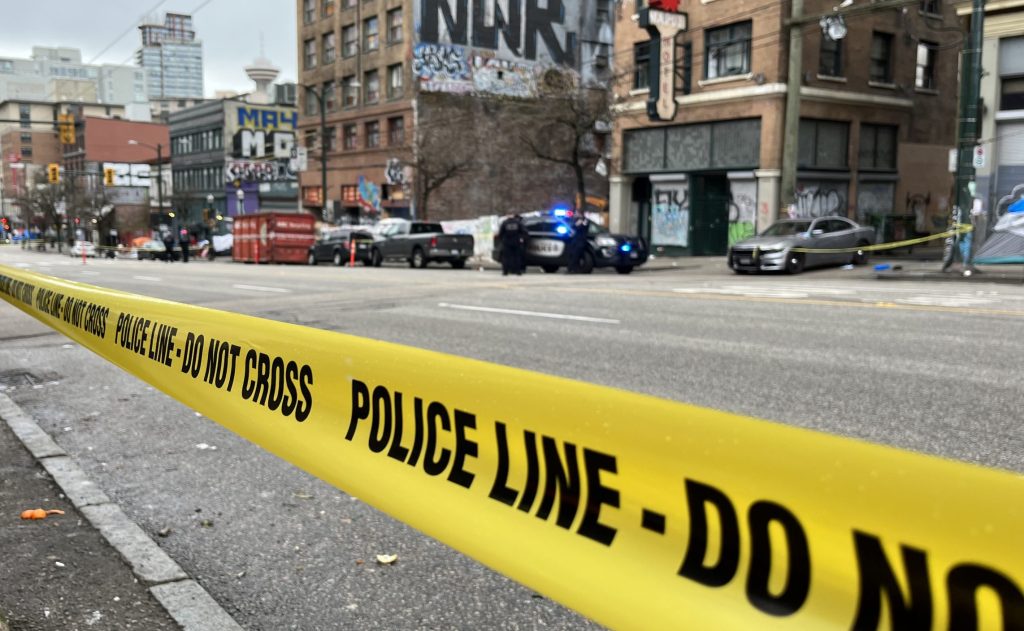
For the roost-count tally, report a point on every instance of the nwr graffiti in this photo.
(818, 202)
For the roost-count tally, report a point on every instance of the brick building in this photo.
(412, 86)
(877, 118)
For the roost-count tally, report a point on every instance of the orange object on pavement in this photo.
(38, 513)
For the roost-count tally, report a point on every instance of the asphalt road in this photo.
(930, 367)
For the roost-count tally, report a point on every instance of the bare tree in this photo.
(439, 156)
(565, 126)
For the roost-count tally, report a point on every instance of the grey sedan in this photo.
(791, 245)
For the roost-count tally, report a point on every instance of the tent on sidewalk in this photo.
(1006, 243)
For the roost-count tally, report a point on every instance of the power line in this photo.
(127, 31)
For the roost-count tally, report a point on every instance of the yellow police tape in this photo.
(636, 511)
(892, 245)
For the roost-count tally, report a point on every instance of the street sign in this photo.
(979, 157)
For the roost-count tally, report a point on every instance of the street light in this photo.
(159, 148)
(323, 147)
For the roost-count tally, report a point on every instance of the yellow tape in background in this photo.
(636, 511)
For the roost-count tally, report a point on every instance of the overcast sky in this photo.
(230, 31)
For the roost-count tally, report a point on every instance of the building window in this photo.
(823, 144)
(641, 65)
(931, 6)
(604, 12)
(372, 134)
(25, 115)
(332, 144)
(1011, 95)
(349, 43)
(348, 4)
(26, 152)
(925, 66)
(308, 11)
(26, 138)
(309, 47)
(309, 139)
(310, 108)
(330, 96)
(877, 147)
(394, 26)
(349, 91)
(328, 44)
(349, 136)
(371, 80)
(830, 61)
(395, 88)
(727, 50)
(328, 8)
(371, 36)
(881, 58)
(396, 131)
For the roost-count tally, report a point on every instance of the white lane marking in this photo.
(89, 273)
(944, 301)
(273, 290)
(152, 279)
(766, 292)
(23, 265)
(535, 314)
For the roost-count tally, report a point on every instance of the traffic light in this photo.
(108, 176)
(53, 173)
(67, 129)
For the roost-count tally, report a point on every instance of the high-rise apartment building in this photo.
(59, 74)
(172, 57)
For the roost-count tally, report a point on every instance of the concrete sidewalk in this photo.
(91, 567)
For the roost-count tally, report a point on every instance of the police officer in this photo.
(184, 240)
(578, 242)
(512, 233)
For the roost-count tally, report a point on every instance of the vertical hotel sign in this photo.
(663, 22)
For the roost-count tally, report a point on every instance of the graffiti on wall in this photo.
(670, 214)
(262, 142)
(875, 199)
(493, 47)
(369, 195)
(742, 209)
(818, 200)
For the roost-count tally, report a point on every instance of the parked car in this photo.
(154, 250)
(778, 248)
(334, 246)
(547, 245)
(419, 243)
(83, 246)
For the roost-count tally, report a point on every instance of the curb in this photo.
(185, 600)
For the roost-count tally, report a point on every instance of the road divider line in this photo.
(273, 290)
(532, 314)
(636, 511)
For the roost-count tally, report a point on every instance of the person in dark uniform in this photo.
(184, 240)
(512, 242)
(578, 242)
(168, 239)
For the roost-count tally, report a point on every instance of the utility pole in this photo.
(792, 119)
(324, 211)
(967, 140)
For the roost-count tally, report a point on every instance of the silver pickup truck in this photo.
(419, 243)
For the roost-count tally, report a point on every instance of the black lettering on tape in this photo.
(698, 497)
(798, 579)
(500, 490)
(877, 579)
(532, 473)
(463, 447)
(291, 399)
(418, 435)
(434, 462)
(397, 451)
(305, 407)
(561, 479)
(249, 385)
(598, 495)
(360, 407)
(276, 387)
(262, 379)
(963, 583)
(380, 427)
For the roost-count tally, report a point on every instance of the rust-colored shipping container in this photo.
(273, 237)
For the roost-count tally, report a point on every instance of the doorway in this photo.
(709, 231)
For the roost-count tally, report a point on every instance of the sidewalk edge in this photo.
(195, 609)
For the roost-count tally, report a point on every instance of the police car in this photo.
(548, 245)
